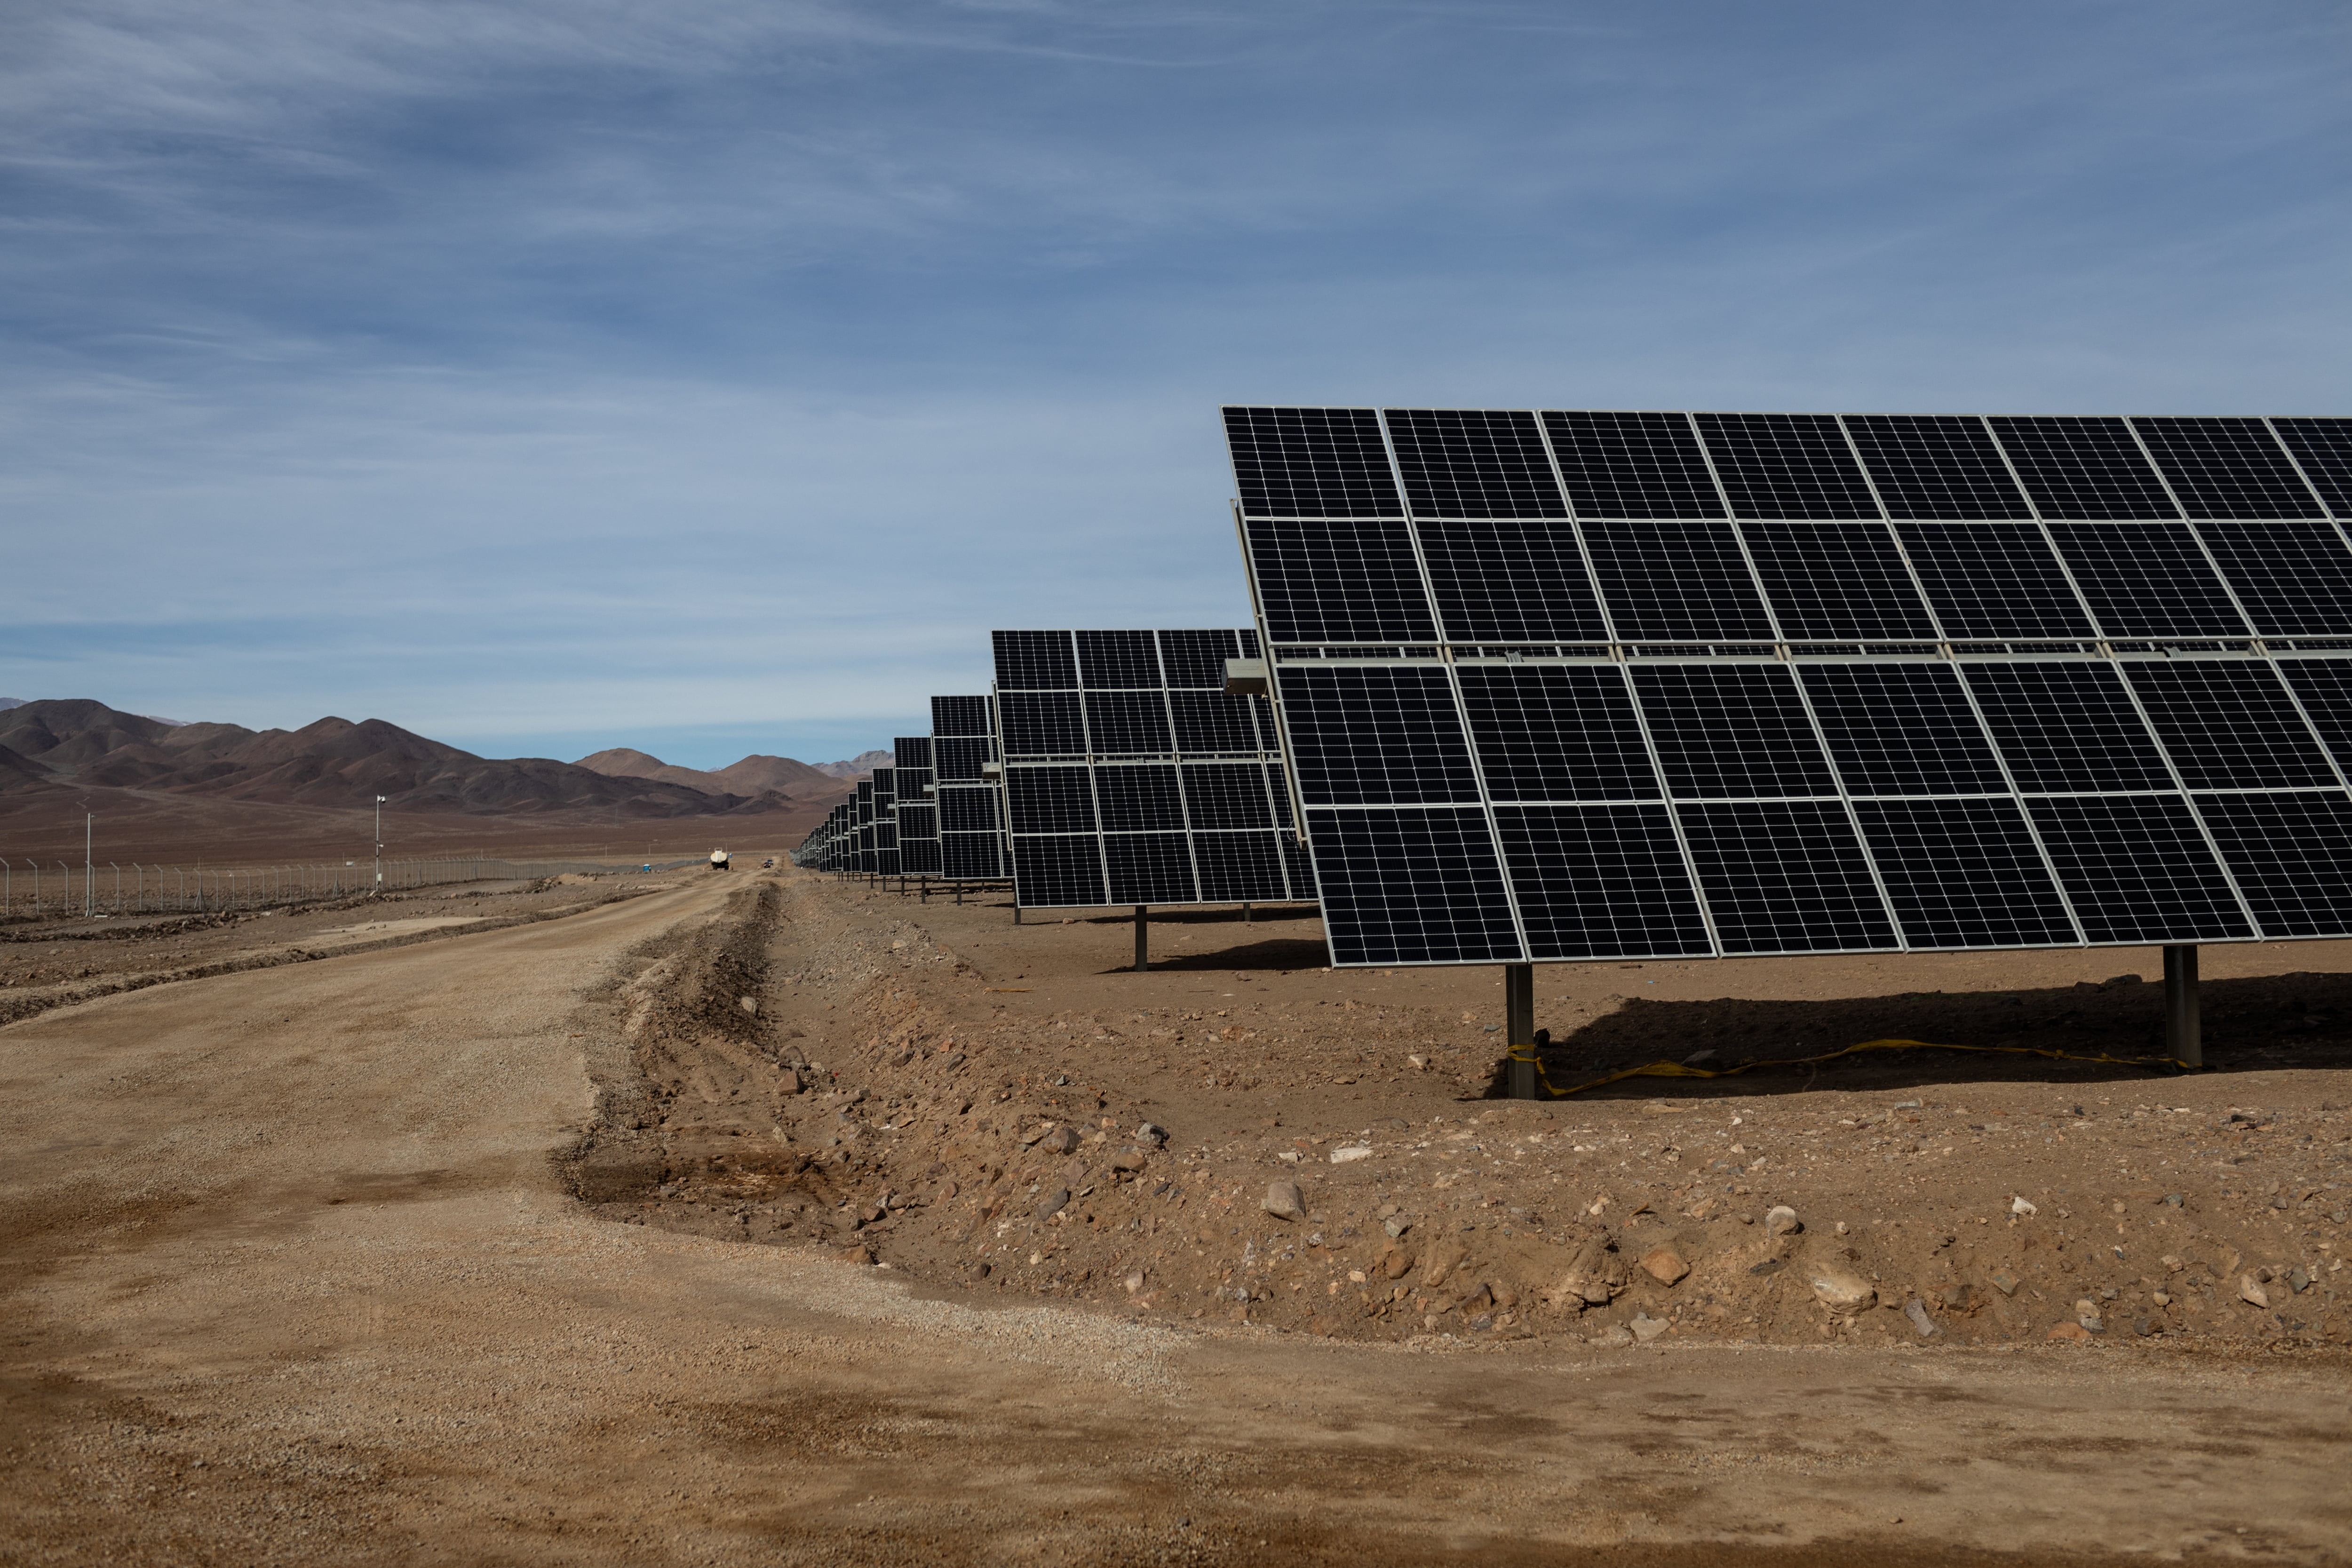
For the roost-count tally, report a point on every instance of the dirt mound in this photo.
(1004, 1108)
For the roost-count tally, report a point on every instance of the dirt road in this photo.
(291, 1275)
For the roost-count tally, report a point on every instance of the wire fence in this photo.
(29, 888)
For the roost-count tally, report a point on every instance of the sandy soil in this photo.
(362, 1260)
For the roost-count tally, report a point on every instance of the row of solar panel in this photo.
(1191, 661)
(1363, 581)
(1519, 463)
(932, 812)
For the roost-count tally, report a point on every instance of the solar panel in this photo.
(1936, 465)
(1148, 784)
(2323, 454)
(970, 809)
(1781, 683)
(917, 807)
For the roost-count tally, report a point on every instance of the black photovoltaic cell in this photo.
(2226, 468)
(1676, 582)
(1376, 736)
(1632, 464)
(1277, 790)
(1136, 797)
(2295, 578)
(969, 810)
(1786, 466)
(2229, 724)
(1050, 800)
(1237, 866)
(1310, 462)
(1114, 660)
(1964, 873)
(1042, 724)
(1473, 462)
(1150, 868)
(960, 757)
(2137, 869)
(1510, 581)
(2082, 467)
(1414, 886)
(1994, 580)
(1548, 732)
(2291, 856)
(2063, 727)
(1035, 661)
(1209, 721)
(1936, 465)
(960, 716)
(1785, 876)
(1831, 580)
(2325, 687)
(972, 857)
(1197, 658)
(1060, 872)
(1601, 881)
(1339, 583)
(917, 822)
(2148, 580)
(912, 751)
(1126, 723)
(1226, 796)
(2323, 449)
(1902, 729)
(1730, 729)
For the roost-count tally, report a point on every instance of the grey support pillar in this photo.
(1245, 913)
(1142, 938)
(1520, 1030)
(2183, 1039)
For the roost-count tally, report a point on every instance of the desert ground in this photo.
(782, 1218)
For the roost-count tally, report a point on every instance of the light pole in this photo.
(89, 867)
(379, 843)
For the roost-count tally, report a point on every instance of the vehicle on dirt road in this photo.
(719, 858)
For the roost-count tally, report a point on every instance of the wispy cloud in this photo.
(507, 370)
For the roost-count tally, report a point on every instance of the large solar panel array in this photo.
(917, 811)
(1565, 685)
(1132, 777)
(971, 804)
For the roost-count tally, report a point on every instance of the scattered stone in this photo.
(1290, 1156)
(978, 1272)
(1477, 1301)
(2019, 1205)
(1060, 1141)
(2161, 1298)
(2299, 1278)
(2087, 1308)
(1284, 1200)
(2093, 1325)
(1781, 1220)
(1616, 1339)
(1445, 1256)
(1595, 1274)
(1395, 1263)
(749, 1004)
(857, 1255)
(1705, 1208)
(1840, 1289)
(1397, 1224)
(1917, 1312)
(1351, 1152)
(1482, 1322)
(1030, 1138)
(1769, 1266)
(2250, 1290)
(1418, 1064)
(1134, 1281)
(2005, 1282)
(1150, 1134)
(1839, 1228)
(1054, 1203)
(1129, 1160)
(1647, 1328)
(2143, 1327)
(2075, 1332)
(1664, 1265)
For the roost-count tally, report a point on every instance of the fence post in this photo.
(118, 885)
(8, 882)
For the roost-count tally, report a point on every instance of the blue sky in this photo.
(710, 377)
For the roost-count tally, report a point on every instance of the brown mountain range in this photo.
(753, 775)
(174, 784)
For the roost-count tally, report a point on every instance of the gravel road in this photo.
(292, 1274)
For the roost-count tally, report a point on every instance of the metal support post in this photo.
(1519, 1027)
(1142, 938)
(1245, 913)
(1016, 911)
(2183, 1039)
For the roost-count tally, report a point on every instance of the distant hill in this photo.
(753, 775)
(863, 762)
(333, 764)
(8, 703)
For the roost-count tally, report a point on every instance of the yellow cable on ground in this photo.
(1684, 1069)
